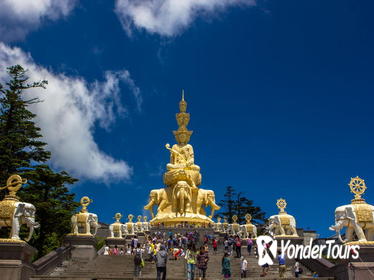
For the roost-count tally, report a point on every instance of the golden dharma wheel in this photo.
(118, 216)
(357, 186)
(281, 204)
(130, 217)
(248, 218)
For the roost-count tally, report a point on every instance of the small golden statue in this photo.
(234, 227)
(283, 224)
(117, 229)
(249, 229)
(357, 217)
(181, 200)
(130, 225)
(14, 213)
(84, 223)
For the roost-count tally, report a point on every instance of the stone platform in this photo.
(15, 261)
(83, 246)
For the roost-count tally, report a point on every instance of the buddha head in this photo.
(182, 137)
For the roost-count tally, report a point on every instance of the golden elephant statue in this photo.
(157, 197)
(206, 198)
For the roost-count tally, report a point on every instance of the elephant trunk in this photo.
(30, 234)
(337, 228)
(30, 221)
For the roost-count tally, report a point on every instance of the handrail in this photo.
(50, 261)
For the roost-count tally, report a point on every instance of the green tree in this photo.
(236, 204)
(23, 152)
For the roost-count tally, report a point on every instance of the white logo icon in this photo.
(266, 249)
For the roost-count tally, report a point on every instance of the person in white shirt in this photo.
(243, 267)
(106, 250)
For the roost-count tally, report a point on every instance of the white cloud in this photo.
(18, 17)
(70, 110)
(168, 17)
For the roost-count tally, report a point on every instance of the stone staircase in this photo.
(121, 267)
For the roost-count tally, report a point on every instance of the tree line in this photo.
(235, 203)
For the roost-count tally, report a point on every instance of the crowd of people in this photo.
(161, 247)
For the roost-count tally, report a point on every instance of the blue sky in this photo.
(280, 95)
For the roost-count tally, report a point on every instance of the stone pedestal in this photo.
(366, 253)
(83, 246)
(119, 242)
(15, 261)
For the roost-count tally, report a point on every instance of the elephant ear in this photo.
(20, 210)
(350, 213)
(277, 220)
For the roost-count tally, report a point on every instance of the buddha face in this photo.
(182, 138)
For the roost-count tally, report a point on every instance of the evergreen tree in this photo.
(22, 151)
(239, 205)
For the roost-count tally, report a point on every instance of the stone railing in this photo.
(50, 261)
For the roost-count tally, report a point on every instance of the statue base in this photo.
(115, 241)
(15, 260)
(171, 220)
(83, 246)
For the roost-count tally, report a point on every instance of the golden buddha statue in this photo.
(181, 200)
(182, 160)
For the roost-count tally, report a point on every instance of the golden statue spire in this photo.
(182, 135)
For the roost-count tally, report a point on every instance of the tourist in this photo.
(132, 244)
(177, 252)
(265, 269)
(121, 252)
(202, 262)
(191, 261)
(128, 251)
(215, 245)
(161, 260)
(226, 267)
(297, 269)
(138, 261)
(315, 275)
(238, 247)
(106, 250)
(226, 245)
(135, 242)
(249, 245)
(243, 267)
(115, 251)
(282, 264)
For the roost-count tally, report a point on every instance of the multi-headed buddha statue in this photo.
(182, 165)
(181, 200)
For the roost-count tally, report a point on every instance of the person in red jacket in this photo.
(215, 245)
